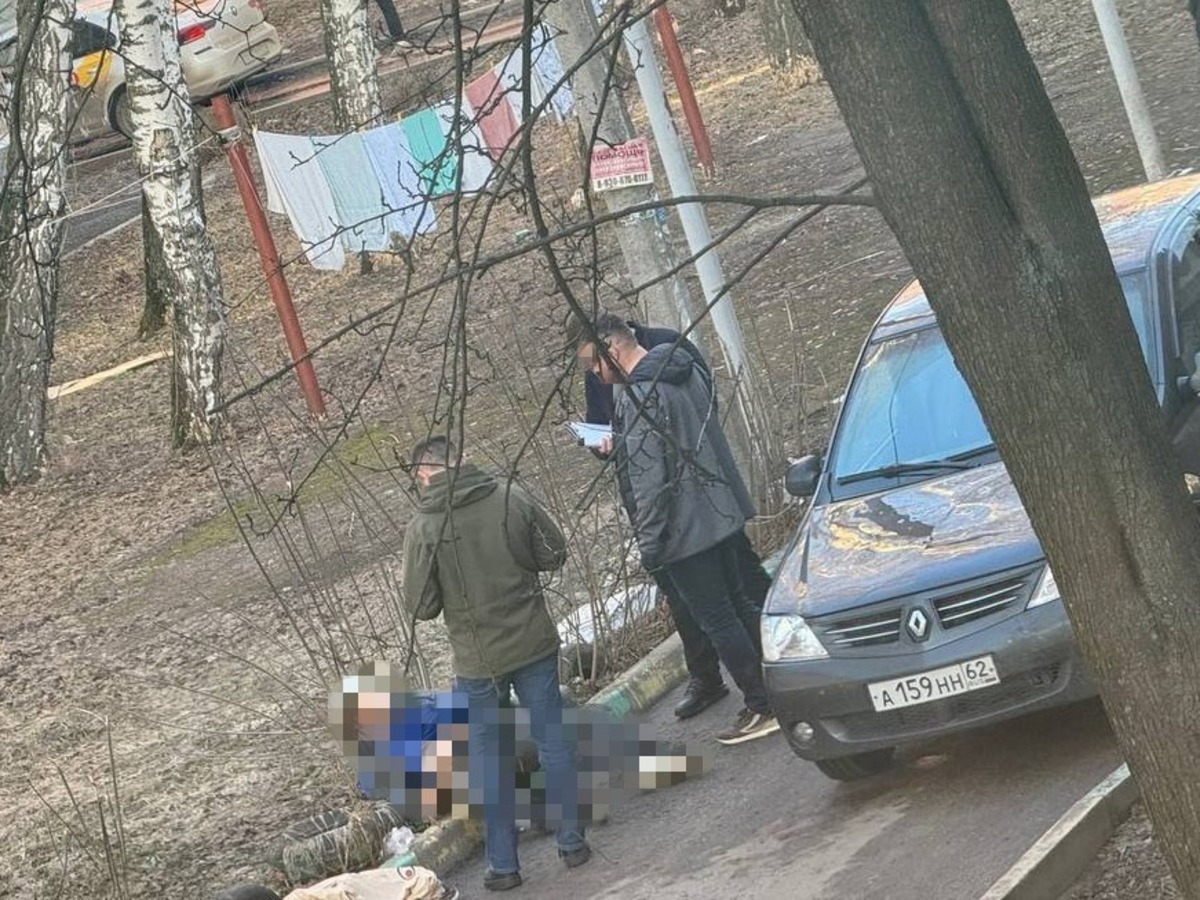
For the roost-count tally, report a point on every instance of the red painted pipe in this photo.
(683, 82)
(281, 296)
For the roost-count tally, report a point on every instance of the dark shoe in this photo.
(749, 726)
(494, 881)
(576, 857)
(699, 696)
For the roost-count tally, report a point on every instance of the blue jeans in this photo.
(493, 758)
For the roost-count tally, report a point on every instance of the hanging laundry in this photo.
(437, 166)
(468, 145)
(545, 74)
(356, 192)
(399, 181)
(493, 112)
(508, 73)
(547, 64)
(297, 187)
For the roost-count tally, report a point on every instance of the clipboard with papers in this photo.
(590, 435)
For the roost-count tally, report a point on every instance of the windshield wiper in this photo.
(971, 454)
(912, 468)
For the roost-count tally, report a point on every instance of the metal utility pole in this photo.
(752, 409)
(1131, 89)
(683, 84)
(281, 295)
(644, 240)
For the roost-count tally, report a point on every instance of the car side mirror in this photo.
(1189, 385)
(802, 476)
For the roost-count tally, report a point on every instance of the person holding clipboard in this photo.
(705, 684)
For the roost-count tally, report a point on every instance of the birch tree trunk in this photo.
(354, 79)
(156, 272)
(162, 144)
(31, 231)
(974, 174)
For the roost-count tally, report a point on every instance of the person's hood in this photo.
(910, 539)
(459, 488)
(664, 363)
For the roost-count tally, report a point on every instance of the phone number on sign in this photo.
(619, 181)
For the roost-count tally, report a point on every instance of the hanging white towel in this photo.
(399, 181)
(297, 188)
(508, 73)
(548, 67)
(357, 194)
(474, 161)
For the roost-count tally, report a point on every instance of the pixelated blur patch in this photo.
(413, 750)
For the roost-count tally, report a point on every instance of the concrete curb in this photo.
(1064, 852)
(646, 682)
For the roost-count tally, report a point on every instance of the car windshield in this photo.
(909, 405)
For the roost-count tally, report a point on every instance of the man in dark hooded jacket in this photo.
(687, 500)
(705, 685)
(474, 553)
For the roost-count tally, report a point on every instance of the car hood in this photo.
(909, 539)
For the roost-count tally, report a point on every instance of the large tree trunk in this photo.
(354, 79)
(975, 176)
(31, 230)
(788, 50)
(162, 141)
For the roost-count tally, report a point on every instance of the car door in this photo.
(93, 65)
(1181, 261)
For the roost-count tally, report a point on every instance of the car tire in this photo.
(120, 116)
(860, 765)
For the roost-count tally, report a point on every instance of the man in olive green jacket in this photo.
(474, 553)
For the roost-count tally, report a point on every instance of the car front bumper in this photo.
(1036, 658)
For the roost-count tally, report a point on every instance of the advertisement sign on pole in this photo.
(621, 165)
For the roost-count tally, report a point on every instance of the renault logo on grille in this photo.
(917, 625)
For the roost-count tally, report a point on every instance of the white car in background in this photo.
(221, 42)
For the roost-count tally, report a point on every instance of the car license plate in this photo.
(925, 687)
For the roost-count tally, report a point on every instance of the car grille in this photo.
(984, 600)
(882, 626)
(864, 631)
(1015, 691)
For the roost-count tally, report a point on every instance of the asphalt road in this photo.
(83, 228)
(761, 823)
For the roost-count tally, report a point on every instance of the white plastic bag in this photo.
(399, 841)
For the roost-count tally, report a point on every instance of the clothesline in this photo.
(354, 192)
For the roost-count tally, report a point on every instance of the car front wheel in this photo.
(860, 765)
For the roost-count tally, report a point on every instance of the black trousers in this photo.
(703, 663)
(709, 585)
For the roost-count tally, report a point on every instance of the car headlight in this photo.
(789, 637)
(1046, 590)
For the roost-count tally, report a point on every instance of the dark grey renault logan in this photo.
(915, 599)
